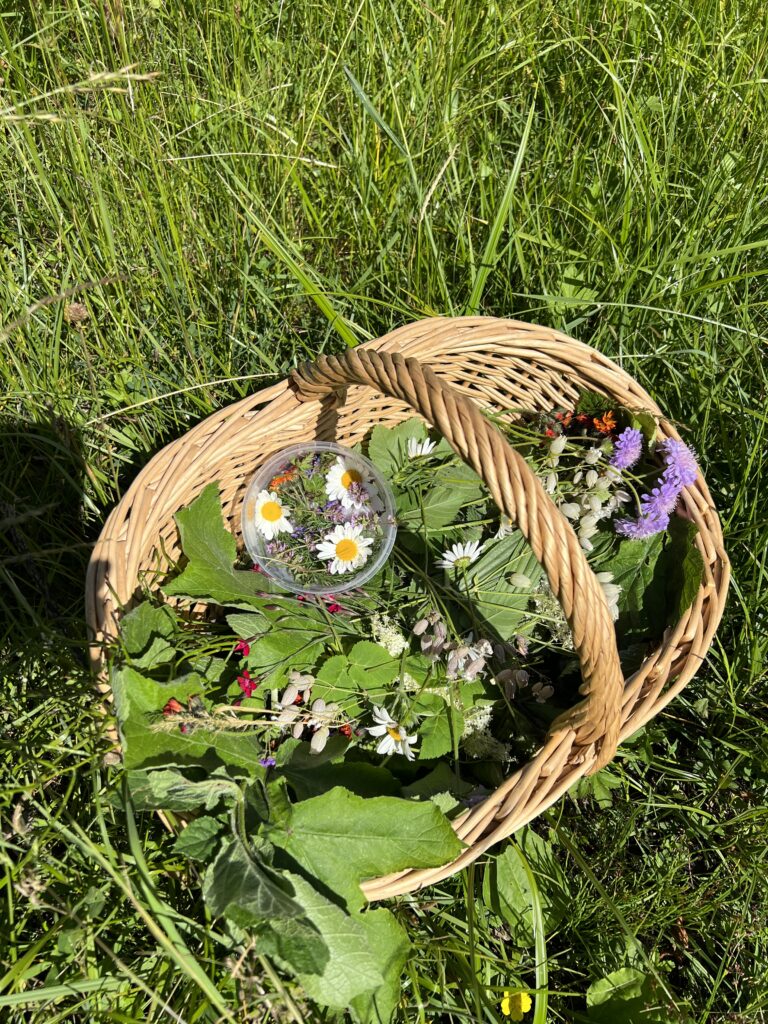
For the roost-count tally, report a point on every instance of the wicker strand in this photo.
(520, 495)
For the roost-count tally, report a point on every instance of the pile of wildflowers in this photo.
(311, 685)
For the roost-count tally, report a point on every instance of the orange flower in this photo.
(605, 424)
(281, 478)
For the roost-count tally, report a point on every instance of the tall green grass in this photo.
(230, 187)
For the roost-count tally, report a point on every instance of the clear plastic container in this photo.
(318, 519)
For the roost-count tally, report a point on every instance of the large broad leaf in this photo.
(248, 891)
(146, 633)
(439, 724)
(343, 839)
(433, 508)
(507, 891)
(353, 966)
(211, 552)
(167, 788)
(392, 947)
(150, 739)
(499, 604)
(388, 446)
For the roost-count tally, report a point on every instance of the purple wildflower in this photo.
(267, 762)
(644, 526)
(660, 500)
(628, 448)
(680, 462)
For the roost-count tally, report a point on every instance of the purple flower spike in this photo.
(681, 462)
(661, 500)
(628, 448)
(267, 762)
(642, 527)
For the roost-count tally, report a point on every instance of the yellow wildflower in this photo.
(515, 1004)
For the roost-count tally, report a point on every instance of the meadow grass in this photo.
(198, 195)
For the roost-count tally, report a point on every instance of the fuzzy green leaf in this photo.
(169, 789)
(682, 567)
(199, 839)
(146, 633)
(211, 550)
(342, 839)
(149, 739)
(353, 966)
(388, 938)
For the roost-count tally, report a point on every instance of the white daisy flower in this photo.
(351, 486)
(417, 448)
(345, 548)
(394, 739)
(269, 515)
(460, 556)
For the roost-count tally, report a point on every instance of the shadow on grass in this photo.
(43, 546)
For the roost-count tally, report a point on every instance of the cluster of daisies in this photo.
(320, 513)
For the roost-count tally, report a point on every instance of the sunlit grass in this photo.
(229, 188)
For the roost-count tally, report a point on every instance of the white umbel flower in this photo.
(348, 484)
(345, 548)
(417, 448)
(269, 515)
(394, 739)
(611, 590)
(460, 556)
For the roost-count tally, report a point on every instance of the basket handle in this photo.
(518, 493)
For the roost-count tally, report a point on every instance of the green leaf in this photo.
(593, 404)
(442, 779)
(388, 446)
(507, 892)
(145, 633)
(211, 550)
(357, 776)
(629, 996)
(388, 938)
(343, 839)
(599, 786)
(169, 789)
(436, 732)
(501, 606)
(435, 508)
(365, 674)
(353, 966)
(199, 839)
(642, 600)
(148, 738)
(243, 888)
(682, 568)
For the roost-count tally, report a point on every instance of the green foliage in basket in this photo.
(312, 743)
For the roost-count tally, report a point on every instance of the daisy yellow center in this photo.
(351, 476)
(271, 511)
(346, 550)
(463, 563)
(394, 733)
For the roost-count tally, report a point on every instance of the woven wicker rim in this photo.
(505, 364)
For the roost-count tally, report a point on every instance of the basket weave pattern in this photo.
(433, 366)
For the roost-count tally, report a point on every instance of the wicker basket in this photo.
(476, 362)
